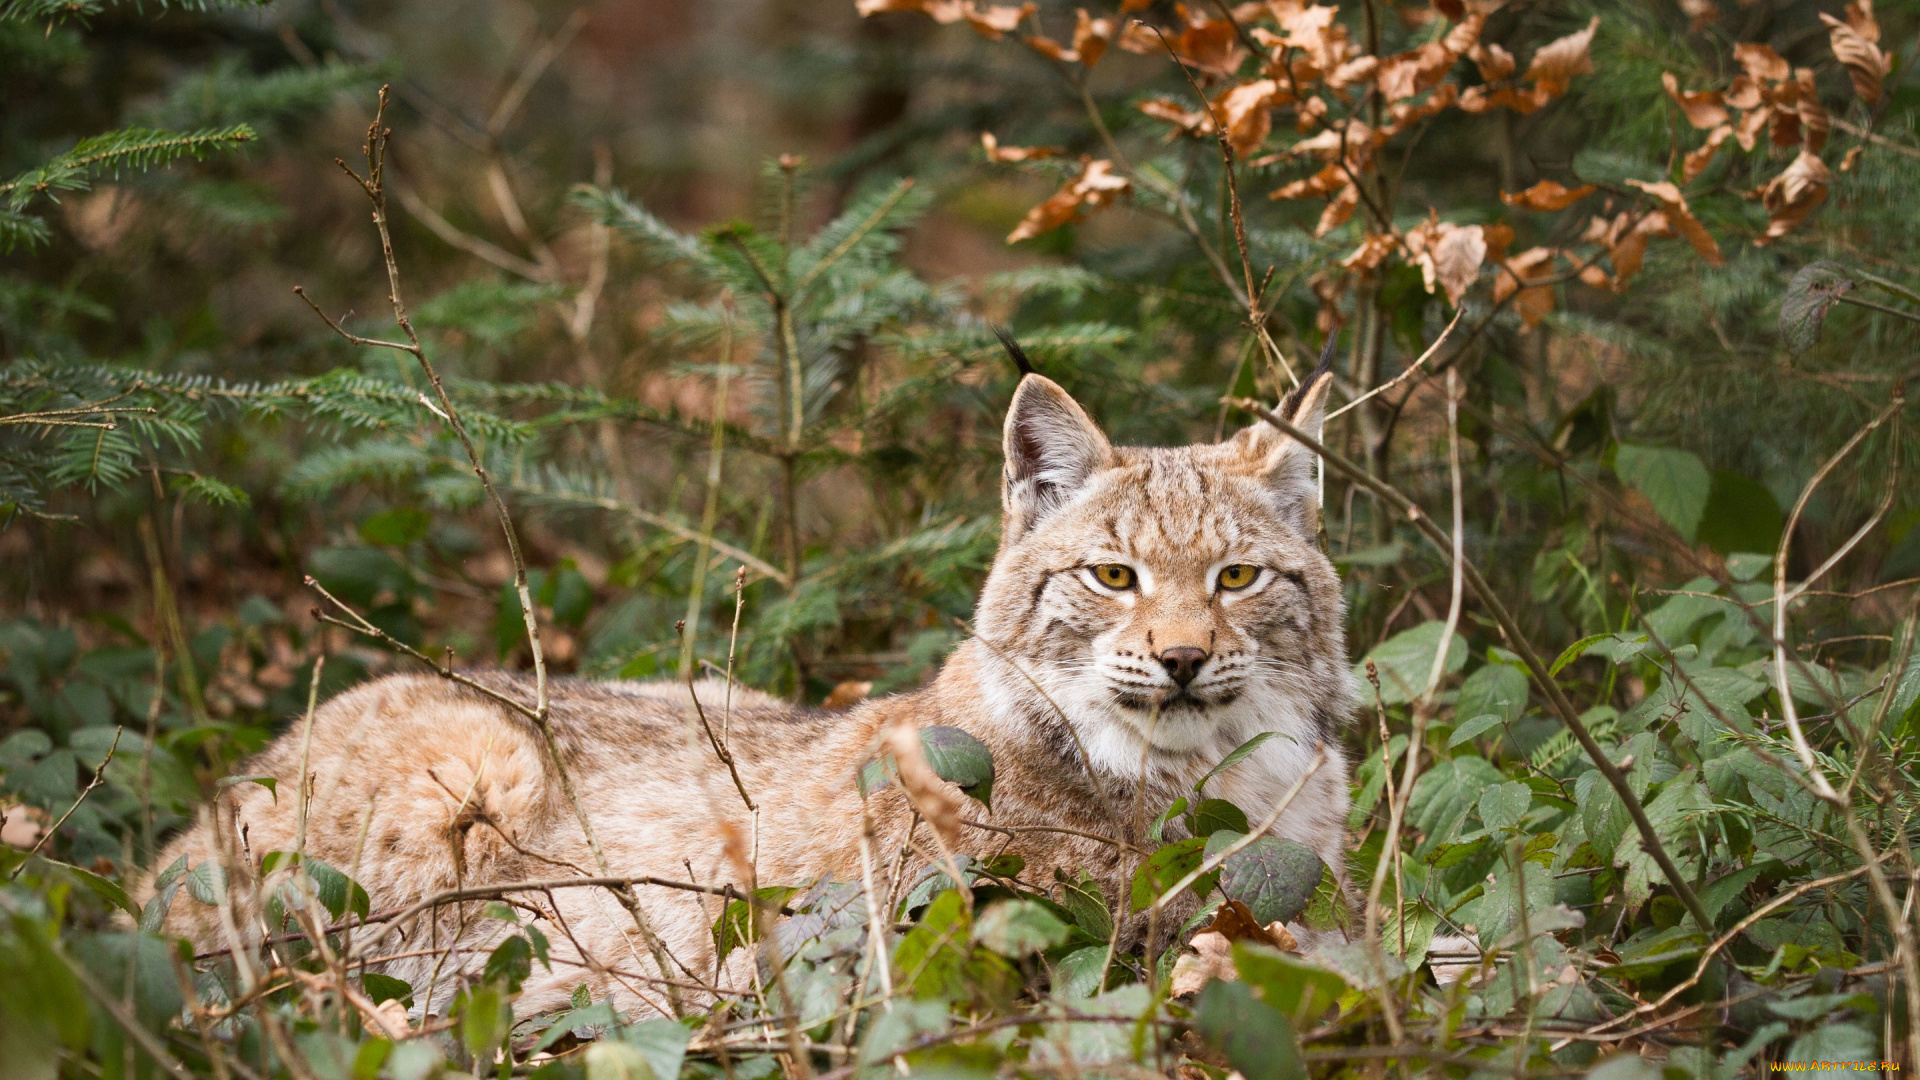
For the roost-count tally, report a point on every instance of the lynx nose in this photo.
(1183, 663)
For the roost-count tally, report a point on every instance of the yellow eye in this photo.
(1114, 576)
(1238, 576)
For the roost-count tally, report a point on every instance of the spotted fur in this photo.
(420, 786)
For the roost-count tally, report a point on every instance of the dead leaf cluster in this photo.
(1212, 957)
(1097, 186)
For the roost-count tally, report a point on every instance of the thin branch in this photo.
(98, 773)
(1409, 372)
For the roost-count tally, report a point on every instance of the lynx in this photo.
(1149, 610)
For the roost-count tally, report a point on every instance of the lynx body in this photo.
(1149, 610)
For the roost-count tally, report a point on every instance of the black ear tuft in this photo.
(1291, 404)
(1014, 351)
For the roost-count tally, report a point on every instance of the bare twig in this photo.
(98, 773)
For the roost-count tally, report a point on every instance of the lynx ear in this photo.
(1285, 463)
(1052, 447)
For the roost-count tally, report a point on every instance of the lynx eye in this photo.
(1114, 575)
(1238, 576)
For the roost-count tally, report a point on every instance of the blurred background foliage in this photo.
(715, 285)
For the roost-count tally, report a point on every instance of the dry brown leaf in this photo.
(1050, 48)
(1211, 45)
(1138, 37)
(1309, 114)
(1700, 14)
(1403, 75)
(1234, 921)
(845, 695)
(1625, 238)
(21, 826)
(1405, 114)
(1211, 959)
(997, 19)
(1354, 139)
(1448, 255)
(991, 21)
(1452, 9)
(1479, 99)
(1357, 70)
(1127, 7)
(1465, 35)
(1495, 63)
(1744, 92)
(938, 801)
(1852, 157)
(1534, 302)
(1761, 62)
(1096, 187)
(1814, 124)
(1855, 45)
(1247, 113)
(1499, 237)
(1557, 62)
(1746, 131)
(1090, 37)
(1314, 31)
(1703, 108)
(996, 152)
(1674, 206)
(1547, 195)
(1792, 195)
(1191, 121)
(1371, 253)
(1339, 211)
(1698, 159)
(1327, 181)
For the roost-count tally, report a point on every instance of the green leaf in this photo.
(154, 914)
(104, 888)
(484, 1018)
(930, 961)
(1502, 806)
(1674, 481)
(397, 527)
(510, 963)
(1076, 976)
(387, 988)
(1213, 815)
(662, 1042)
(1239, 754)
(960, 759)
(272, 784)
(1741, 515)
(1301, 991)
(1159, 871)
(953, 754)
(1088, 906)
(608, 1060)
(735, 927)
(1274, 876)
(1254, 1036)
(1157, 831)
(1499, 689)
(339, 893)
(1574, 652)
(1017, 928)
(1811, 293)
(1473, 729)
(1405, 660)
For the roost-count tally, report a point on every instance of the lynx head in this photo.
(1170, 601)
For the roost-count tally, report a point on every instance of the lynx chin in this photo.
(1149, 610)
